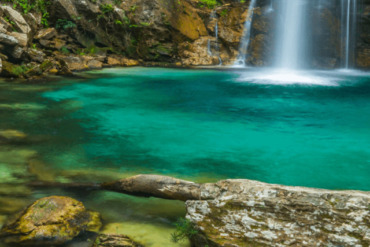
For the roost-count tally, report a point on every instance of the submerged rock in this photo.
(50, 220)
(251, 213)
(12, 136)
(114, 240)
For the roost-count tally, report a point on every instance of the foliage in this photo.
(224, 12)
(184, 229)
(133, 8)
(145, 24)
(64, 24)
(106, 8)
(211, 4)
(20, 70)
(117, 2)
(39, 6)
(64, 50)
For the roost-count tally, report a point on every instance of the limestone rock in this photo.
(113, 61)
(188, 22)
(196, 53)
(36, 55)
(19, 22)
(17, 52)
(251, 213)
(94, 64)
(8, 40)
(50, 221)
(21, 37)
(46, 34)
(129, 62)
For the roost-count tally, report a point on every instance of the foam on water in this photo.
(289, 77)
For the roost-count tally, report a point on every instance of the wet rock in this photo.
(114, 240)
(251, 213)
(129, 62)
(8, 40)
(113, 61)
(50, 221)
(94, 64)
(46, 34)
(196, 53)
(12, 136)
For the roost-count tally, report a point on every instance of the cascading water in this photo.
(304, 36)
(244, 44)
(291, 42)
(216, 44)
(348, 27)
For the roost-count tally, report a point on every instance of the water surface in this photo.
(305, 129)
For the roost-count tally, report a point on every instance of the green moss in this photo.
(27, 6)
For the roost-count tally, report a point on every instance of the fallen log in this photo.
(141, 185)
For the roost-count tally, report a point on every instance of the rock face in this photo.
(251, 213)
(159, 32)
(49, 221)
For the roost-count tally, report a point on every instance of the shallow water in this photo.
(307, 129)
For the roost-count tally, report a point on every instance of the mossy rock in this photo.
(8, 70)
(50, 221)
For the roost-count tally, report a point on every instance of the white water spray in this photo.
(291, 44)
(244, 44)
(349, 8)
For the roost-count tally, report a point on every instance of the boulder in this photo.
(8, 40)
(36, 55)
(50, 221)
(46, 34)
(19, 22)
(21, 37)
(17, 52)
(251, 213)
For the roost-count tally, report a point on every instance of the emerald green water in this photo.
(308, 129)
(209, 123)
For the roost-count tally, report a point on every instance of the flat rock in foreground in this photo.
(251, 213)
(50, 221)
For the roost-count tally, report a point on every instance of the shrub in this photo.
(65, 24)
(184, 229)
(39, 6)
(211, 4)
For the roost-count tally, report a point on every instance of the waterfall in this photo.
(291, 42)
(271, 7)
(216, 44)
(348, 28)
(244, 44)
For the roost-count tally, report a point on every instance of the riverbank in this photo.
(69, 35)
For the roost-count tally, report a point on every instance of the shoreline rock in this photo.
(49, 221)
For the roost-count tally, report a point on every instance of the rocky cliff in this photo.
(60, 36)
